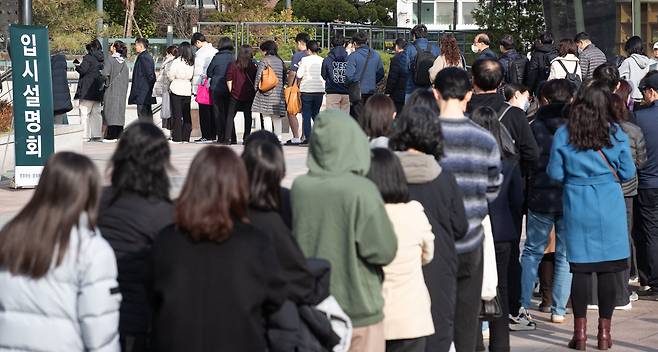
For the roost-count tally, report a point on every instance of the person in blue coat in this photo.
(590, 156)
(365, 66)
(141, 91)
(419, 33)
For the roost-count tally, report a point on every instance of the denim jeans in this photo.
(537, 233)
(311, 104)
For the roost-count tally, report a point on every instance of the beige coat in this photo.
(407, 302)
(439, 64)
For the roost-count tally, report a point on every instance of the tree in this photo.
(71, 23)
(377, 12)
(523, 19)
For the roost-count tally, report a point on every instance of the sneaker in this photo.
(557, 319)
(203, 141)
(110, 140)
(634, 280)
(174, 142)
(592, 307)
(649, 295)
(627, 307)
(522, 322)
(544, 308)
(634, 297)
(294, 141)
(95, 139)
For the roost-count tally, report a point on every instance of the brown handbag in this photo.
(268, 79)
(293, 99)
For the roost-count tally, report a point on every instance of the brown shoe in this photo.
(579, 340)
(604, 337)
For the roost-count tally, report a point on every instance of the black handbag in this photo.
(355, 87)
(492, 309)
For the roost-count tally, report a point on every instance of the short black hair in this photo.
(546, 37)
(360, 38)
(581, 36)
(337, 40)
(557, 91)
(419, 128)
(424, 98)
(143, 41)
(401, 43)
(314, 47)
(225, 43)
(634, 45)
(94, 45)
(511, 88)
(197, 37)
(302, 37)
(507, 42)
(419, 31)
(270, 48)
(487, 74)
(452, 83)
(609, 74)
(387, 174)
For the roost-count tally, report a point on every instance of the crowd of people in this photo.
(404, 234)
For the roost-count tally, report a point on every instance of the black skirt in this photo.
(613, 266)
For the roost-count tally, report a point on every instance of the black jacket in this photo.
(506, 61)
(540, 66)
(141, 90)
(516, 123)
(61, 93)
(397, 79)
(487, 54)
(89, 84)
(333, 71)
(217, 71)
(544, 194)
(214, 296)
(506, 211)
(130, 223)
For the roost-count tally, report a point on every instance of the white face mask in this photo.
(475, 49)
(525, 104)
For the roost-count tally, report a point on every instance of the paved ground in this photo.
(635, 330)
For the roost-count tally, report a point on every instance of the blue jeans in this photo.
(311, 104)
(537, 233)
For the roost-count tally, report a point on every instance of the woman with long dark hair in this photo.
(132, 212)
(180, 74)
(89, 91)
(117, 79)
(217, 72)
(213, 264)
(240, 80)
(450, 56)
(58, 276)
(271, 104)
(590, 156)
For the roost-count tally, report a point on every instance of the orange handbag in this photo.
(268, 80)
(293, 99)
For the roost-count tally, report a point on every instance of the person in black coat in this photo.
(417, 137)
(89, 91)
(61, 93)
(221, 96)
(216, 278)
(133, 210)
(141, 90)
(396, 82)
(543, 53)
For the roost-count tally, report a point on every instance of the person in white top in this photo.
(180, 74)
(311, 86)
(407, 314)
(567, 62)
(202, 59)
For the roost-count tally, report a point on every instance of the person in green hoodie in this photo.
(339, 215)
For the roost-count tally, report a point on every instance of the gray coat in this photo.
(161, 89)
(114, 102)
(639, 151)
(271, 103)
(74, 307)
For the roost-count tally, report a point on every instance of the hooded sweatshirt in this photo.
(633, 69)
(333, 71)
(540, 65)
(339, 215)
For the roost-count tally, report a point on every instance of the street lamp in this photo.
(27, 12)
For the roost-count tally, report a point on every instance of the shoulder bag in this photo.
(354, 88)
(293, 98)
(268, 79)
(612, 169)
(203, 95)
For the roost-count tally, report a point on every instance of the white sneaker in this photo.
(173, 142)
(627, 307)
(557, 319)
(110, 140)
(634, 297)
(522, 322)
(592, 307)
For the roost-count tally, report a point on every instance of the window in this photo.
(467, 12)
(427, 15)
(444, 12)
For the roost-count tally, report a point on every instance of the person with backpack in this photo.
(590, 56)
(419, 57)
(514, 64)
(333, 73)
(364, 70)
(539, 67)
(396, 83)
(567, 65)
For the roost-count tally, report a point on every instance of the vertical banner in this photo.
(33, 102)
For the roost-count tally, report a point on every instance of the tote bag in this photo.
(203, 95)
(293, 99)
(268, 80)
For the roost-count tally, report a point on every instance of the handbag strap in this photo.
(363, 72)
(564, 67)
(115, 77)
(608, 163)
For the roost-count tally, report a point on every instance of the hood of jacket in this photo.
(641, 61)
(339, 53)
(338, 146)
(552, 116)
(569, 57)
(545, 48)
(97, 54)
(419, 167)
(492, 100)
(512, 54)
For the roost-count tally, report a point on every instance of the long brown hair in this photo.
(245, 58)
(450, 50)
(40, 233)
(215, 195)
(591, 118)
(377, 118)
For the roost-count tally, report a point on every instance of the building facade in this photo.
(9, 13)
(436, 14)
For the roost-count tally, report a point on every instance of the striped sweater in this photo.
(472, 155)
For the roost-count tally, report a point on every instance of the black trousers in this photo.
(632, 260)
(499, 328)
(514, 277)
(145, 113)
(407, 345)
(646, 236)
(135, 343)
(207, 122)
(607, 288)
(113, 132)
(181, 119)
(220, 103)
(441, 281)
(469, 293)
(233, 107)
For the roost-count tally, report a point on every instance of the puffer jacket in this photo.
(639, 152)
(75, 307)
(89, 84)
(633, 69)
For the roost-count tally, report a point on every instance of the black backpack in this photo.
(572, 77)
(516, 70)
(420, 68)
(545, 68)
(508, 145)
